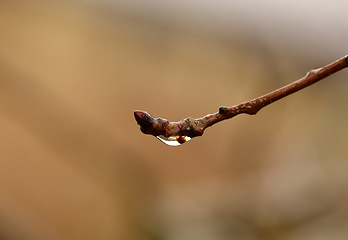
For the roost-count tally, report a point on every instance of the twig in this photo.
(190, 127)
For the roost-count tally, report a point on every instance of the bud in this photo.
(144, 119)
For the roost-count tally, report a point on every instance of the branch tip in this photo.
(144, 119)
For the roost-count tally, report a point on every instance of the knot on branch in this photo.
(223, 110)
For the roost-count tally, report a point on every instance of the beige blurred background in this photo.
(74, 165)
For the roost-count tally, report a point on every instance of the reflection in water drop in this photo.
(174, 140)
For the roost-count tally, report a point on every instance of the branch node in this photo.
(223, 110)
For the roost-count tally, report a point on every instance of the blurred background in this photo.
(74, 165)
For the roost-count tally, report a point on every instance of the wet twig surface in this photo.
(188, 128)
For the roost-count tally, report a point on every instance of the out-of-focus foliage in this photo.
(74, 165)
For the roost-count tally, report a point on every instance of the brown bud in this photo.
(144, 119)
(223, 110)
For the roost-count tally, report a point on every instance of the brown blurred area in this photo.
(74, 165)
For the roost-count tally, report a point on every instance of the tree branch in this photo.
(188, 128)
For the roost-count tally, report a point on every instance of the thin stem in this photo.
(195, 127)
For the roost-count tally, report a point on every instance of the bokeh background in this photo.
(74, 165)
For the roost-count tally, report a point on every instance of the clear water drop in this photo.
(174, 140)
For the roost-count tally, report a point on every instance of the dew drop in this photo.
(174, 140)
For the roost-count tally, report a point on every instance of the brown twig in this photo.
(195, 127)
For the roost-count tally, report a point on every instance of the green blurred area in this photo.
(74, 164)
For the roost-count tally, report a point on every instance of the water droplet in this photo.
(174, 140)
